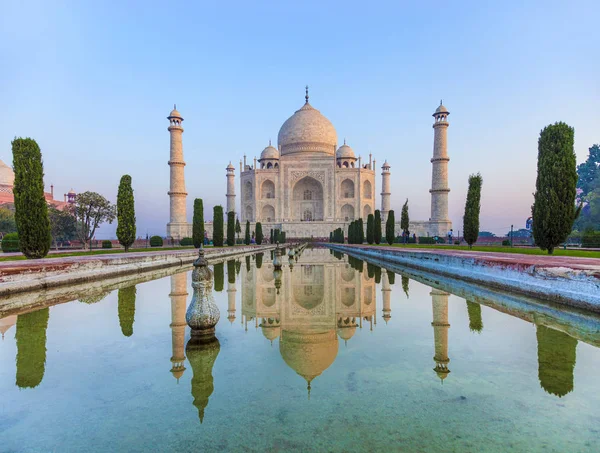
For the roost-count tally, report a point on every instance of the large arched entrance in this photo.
(307, 200)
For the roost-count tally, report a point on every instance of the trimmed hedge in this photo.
(156, 241)
(106, 244)
(590, 239)
(186, 241)
(10, 243)
(426, 240)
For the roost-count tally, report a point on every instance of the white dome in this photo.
(270, 152)
(345, 152)
(441, 109)
(7, 176)
(307, 130)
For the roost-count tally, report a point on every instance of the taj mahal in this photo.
(307, 186)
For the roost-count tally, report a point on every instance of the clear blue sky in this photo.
(92, 82)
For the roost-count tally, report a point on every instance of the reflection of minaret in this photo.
(386, 293)
(231, 301)
(202, 358)
(178, 297)
(556, 360)
(439, 302)
(31, 347)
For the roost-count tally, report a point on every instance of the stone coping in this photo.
(571, 281)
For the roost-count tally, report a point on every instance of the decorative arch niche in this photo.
(307, 200)
(367, 190)
(267, 189)
(347, 188)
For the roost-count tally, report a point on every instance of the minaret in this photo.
(439, 302)
(178, 297)
(231, 302)
(177, 226)
(230, 188)
(386, 293)
(439, 177)
(386, 190)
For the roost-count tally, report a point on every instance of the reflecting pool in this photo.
(330, 354)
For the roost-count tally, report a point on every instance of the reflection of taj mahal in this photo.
(307, 186)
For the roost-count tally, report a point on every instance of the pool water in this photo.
(335, 355)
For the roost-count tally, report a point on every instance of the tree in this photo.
(370, 228)
(588, 172)
(238, 227)
(475, 321)
(377, 230)
(259, 233)
(31, 210)
(125, 213)
(472, 208)
(31, 347)
(7, 221)
(218, 226)
(126, 309)
(62, 225)
(198, 223)
(231, 228)
(390, 225)
(91, 210)
(361, 231)
(247, 233)
(219, 276)
(554, 209)
(404, 220)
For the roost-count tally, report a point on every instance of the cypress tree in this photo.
(218, 226)
(390, 225)
(475, 322)
(472, 207)
(404, 220)
(259, 233)
(554, 209)
(31, 210)
(391, 277)
(405, 285)
(238, 227)
(377, 230)
(126, 309)
(198, 223)
(219, 276)
(230, 271)
(370, 228)
(247, 233)
(271, 237)
(361, 231)
(231, 228)
(125, 213)
(259, 258)
(351, 233)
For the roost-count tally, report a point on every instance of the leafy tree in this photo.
(62, 225)
(218, 226)
(230, 228)
(475, 322)
(486, 234)
(370, 228)
(31, 214)
(238, 227)
(91, 210)
(588, 172)
(377, 230)
(554, 209)
(7, 221)
(247, 233)
(259, 233)
(31, 347)
(404, 220)
(198, 223)
(125, 213)
(126, 309)
(390, 225)
(472, 208)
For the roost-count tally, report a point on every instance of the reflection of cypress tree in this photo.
(391, 277)
(338, 255)
(475, 322)
(238, 267)
(247, 263)
(126, 309)
(355, 263)
(259, 258)
(556, 360)
(272, 255)
(405, 285)
(31, 347)
(231, 271)
(370, 270)
(219, 276)
(377, 274)
(202, 359)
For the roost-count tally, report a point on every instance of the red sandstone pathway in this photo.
(517, 260)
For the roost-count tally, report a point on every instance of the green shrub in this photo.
(426, 240)
(10, 243)
(186, 242)
(106, 244)
(156, 241)
(457, 242)
(506, 242)
(590, 239)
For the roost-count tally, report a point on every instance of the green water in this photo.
(327, 358)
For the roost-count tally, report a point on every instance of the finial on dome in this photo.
(306, 97)
(269, 142)
(344, 140)
(174, 106)
(440, 102)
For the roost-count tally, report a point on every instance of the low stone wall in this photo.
(36, 275)
(575, 283)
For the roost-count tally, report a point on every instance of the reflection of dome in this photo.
(270, 332)
(7, 176)
(308, 353)
(345, 152)
(270, 152)
(346, 333)
(307, 130)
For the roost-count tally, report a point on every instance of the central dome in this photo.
(307, 130)
(7, 176)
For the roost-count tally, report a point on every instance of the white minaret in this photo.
(230, 188)
(177, 227)
(439, 177)
(386, 190)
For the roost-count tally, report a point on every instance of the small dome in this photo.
(175, 114)
(307, 130)
(270, 152)
(7, 176)
(385, 165)
(345, 152)
(230, 167)
(345, 333)
(270, 333)
(441, 109)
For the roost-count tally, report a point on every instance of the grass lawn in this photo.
(98, 252)
(501, 249)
